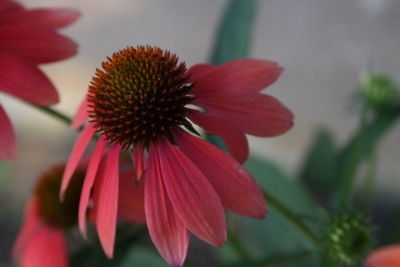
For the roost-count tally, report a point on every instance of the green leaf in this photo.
(318, 171)
(234, 34)
(274, 237)
(360, 146)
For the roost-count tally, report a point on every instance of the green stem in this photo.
(291, 216)
(238, 247)
(54, 113)
(370, 181)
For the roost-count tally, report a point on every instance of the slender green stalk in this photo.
(54, 113)
(369, 183)
(291, 216)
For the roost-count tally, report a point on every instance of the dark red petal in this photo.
(192, 196)
(8, 143)
(39, 45)
(131, 198)
(41, 17)
(234, 138)
(9, 6)
(91, 172)
(166, 230)
(198, 71)
(256, 114)
(246, 75)
(235, 186)
(138, 161)
(46, 248)
(105, 200)
(22, 79)
(75, 156)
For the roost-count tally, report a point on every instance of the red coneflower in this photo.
(42, 240)
(388, 256)
(142, 101)
(29, 38)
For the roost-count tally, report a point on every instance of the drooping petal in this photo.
(91, 172)
(131, 198)
(192, 196)
(75, 156)
(46, 248)
(9, 5)
(234, 138)
(138, 161)
(235, 186)
(38, 45)
(40, 17)
(81, 115)
(246, 75)
(388, 256)
(8, 143)
(22, 79)
(105, 200)
(256, 114)
(198, 71)
(167, 231)
(31, 223)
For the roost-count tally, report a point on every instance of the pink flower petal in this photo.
(24, 80)
(31, 223)
(131, 198)
(167, 231)
(39, 45)
(246, 75)
(235, 186)
(8, 143)
(198, 71)
(9, 5)
(256, 114)
(105, 200)
(88, 183)
(41, 17)
(388, 256)
(46, 248)
(75, 156)
(138, 161)
(234, 138)
(81, 115)
(192, 196)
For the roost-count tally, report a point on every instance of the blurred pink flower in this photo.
(388, 256)
(42, 240)
(142, 99)
(29, 37)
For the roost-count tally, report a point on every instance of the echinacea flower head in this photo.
(388, 256)
(29, 37)
(145, 102)
(41, 241)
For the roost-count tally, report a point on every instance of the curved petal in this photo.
(75, 156)
(39, 45)
(24, 80)
(256, 114)
(388, 256)
(246, 75)
(167, 231)
(138, 161)
(131, 198)
(196, 72)
(105, 200)
(46, 248)
(81, 114)
(88, 183)
(192, 196)
(40, 17)
(234, 138)
(8, 143)
(235, 186)
(31, 223)
(9, 5)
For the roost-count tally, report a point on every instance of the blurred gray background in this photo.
(322, 44)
